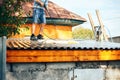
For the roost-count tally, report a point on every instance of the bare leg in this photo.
(33, 37)
(41, 28)
(33, 28)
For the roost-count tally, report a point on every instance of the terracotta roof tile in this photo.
(1, 1)
(54, 11)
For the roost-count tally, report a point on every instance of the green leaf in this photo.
(10, 24)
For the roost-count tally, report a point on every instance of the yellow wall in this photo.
(50, 31)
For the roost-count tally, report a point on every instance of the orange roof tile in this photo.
(54, 11)
(1, 2)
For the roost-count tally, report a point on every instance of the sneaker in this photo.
(40, 36)
(32, 37)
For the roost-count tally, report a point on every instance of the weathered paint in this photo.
(87, 74)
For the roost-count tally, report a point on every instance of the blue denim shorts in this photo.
(39, 16)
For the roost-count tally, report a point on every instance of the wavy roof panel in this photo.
(61, 44)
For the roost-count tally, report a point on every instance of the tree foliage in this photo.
(9, 22)
(83, 33)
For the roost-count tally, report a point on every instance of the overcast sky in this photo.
(109, 11)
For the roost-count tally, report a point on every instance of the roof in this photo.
(55, 13)
(24, 44)
(24, 50)
(1, 1)
(116, 37)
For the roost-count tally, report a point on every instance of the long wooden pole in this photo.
(92, 25)
(91, 22)
(103, 35)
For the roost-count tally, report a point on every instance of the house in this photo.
(54, 59)
(115, 39)
(59, 42)
(59, 22)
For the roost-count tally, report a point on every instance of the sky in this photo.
(109, 12)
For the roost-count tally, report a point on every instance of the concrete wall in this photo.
(64, 71)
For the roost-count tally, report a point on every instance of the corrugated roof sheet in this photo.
(54, 11)
(60, 44)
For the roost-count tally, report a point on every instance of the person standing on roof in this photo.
(39, 7)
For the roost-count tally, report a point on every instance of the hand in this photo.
(41, 3)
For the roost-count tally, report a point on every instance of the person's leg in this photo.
(33, 28)
(33, 37)
(35, 21)
(42, 19)
(40, 36)
(41, 28)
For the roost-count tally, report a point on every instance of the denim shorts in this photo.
(39, 16)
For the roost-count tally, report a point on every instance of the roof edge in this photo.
(58, 21)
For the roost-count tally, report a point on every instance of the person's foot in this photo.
(33, 37)
(40, 36)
